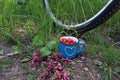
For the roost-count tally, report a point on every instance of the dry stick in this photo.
(90, 74)
(7, 55)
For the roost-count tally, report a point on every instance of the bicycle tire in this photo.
(102, 16)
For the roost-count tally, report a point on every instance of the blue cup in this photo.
(71, 50)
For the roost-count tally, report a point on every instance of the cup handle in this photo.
(81, 49)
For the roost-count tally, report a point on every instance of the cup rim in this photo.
(70, 37)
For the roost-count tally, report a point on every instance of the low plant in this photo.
(45, 47)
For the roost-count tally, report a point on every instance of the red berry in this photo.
(67, 41)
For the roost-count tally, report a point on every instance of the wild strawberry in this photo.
(67, 41)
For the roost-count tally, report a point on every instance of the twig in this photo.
(7, 55)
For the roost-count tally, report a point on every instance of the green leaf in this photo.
(4, 64)
(31, 75)
(37, 40)
(117, 69)
(45, 51)
(19, 45)
(1, 20)
(1, 52)
(25, 60)
(17, 49)
(51, 44)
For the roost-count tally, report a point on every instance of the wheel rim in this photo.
(66, 26)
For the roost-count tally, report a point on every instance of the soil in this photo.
(5, 47)
(81, 68)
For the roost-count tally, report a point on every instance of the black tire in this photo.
(109, 10)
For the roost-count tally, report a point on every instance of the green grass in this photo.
(20, 24)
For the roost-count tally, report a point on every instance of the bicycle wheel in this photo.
(82, 15)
